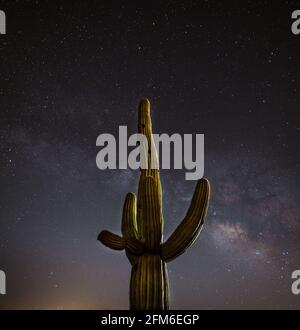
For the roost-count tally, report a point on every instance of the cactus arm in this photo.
(116, 242)
(129, 229)
(190, 227)
(129, 226)
(129, 241)
(111, 240)
(134, 247)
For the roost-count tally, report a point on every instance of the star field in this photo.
(71, 71)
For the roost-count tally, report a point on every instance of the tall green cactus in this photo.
(142, 228)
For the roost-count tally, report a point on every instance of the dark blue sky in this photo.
(71, 71)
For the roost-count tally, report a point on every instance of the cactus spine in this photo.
(142, 230)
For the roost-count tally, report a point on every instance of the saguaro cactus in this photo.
(142, 230)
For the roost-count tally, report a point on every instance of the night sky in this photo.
(71, 70)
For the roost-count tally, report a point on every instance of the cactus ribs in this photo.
(142, 230)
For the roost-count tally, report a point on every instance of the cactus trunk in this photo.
(149, 283)
(142, 229)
